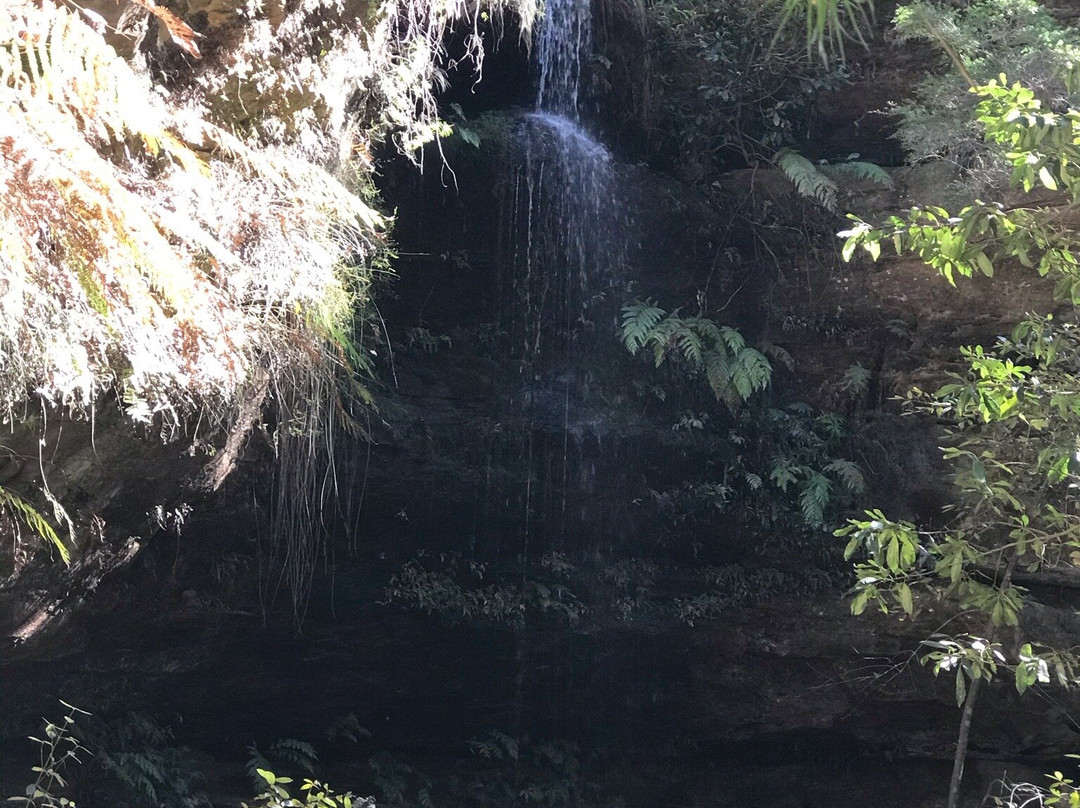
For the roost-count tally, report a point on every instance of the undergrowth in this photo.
(978, 41)
(199, 241)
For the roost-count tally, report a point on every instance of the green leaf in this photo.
(903, 592)
(26, 513)
(978, 470)
(892, 555)
(848, 250)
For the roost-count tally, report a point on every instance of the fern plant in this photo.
(297, 756)
(782, 476)
(545, 774)
(401, 785)
(135, 237)
(733, 370)
(819, 182)
(805, 464)
(155, 256)
(139, 765)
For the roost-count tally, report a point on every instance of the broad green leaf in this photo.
(848, 249)
(904, 593)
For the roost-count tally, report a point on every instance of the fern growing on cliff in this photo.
(195, 276)
(815, 182)
(733, 371)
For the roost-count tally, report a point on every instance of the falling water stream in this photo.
(560, 250)
(560, 230)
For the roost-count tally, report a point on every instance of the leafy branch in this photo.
(1043, 148)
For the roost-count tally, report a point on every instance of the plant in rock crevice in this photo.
(821, 182)
(457, 592)
(785, 476)
(17, 512)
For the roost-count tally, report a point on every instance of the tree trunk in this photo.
(962, 744)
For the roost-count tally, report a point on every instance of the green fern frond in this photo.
(51, 54)
(298, 753)
(733, 371)
(691, 346)
(732, 339)
(707, 329)
(814, 498)
(856, 380)
(807, 179)
(861, 170)
(751, 372)
(256, 762)
(783, 472)
(18, 508)
(832, 424)
(849, 475)
(638, 321)
(717, 370)
(718, 374)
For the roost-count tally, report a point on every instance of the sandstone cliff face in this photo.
(780, 699)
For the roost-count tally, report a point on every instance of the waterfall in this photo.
(565, 36)
(558, 230)
(560, 248)
(561, 231)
